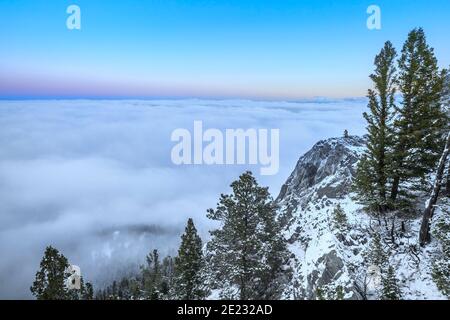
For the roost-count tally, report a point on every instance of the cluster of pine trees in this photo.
(407, 140)
(51, 279)
(379, 257)
(246, 258)
(181, 277)
(406, 136)
(154, 282)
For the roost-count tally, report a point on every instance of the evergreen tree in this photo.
(88, 293)
(113, 294)
(376, 255)
(330, 292)
(391, 289)
(85, 292)
(135, 289)
(441, 264)
(156, 278)
(189, 284)
(374, 170)
(151, 277)
(128, 288)
(168, 277)
(50, 281)
(275, 274)
(154, 282)
(346, 133)
(339, 219)
(421, 121)
(247, 254)
(340, 294)
(320, 294)
(363, 183)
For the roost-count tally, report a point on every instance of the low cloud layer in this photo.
(95, 179)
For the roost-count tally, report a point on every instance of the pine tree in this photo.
(320, 294)
(154, 282)
(339, 219)
(168, 277)
(275, 274)
(151, 277)
(441, 264)
(376, 255)
(391, 289)
(421, 121)
(128, 288)
(340, 294)
(374, 169)
(189, 284)
(330, 292)
(85, 292)
(346, 133)
(50, 282)
(88, 293)
(135, 289)
(113, 295)
(157, 279)
(247, 254)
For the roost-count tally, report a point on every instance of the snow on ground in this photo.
(327, 258)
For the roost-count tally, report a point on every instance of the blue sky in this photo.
(221, 49)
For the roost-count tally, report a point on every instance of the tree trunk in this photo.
(447, 186)
(394, 190)
(424, 235)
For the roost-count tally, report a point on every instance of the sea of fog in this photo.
(94, 178)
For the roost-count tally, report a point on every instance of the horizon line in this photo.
(214, 98)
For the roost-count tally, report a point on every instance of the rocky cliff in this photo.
(331, 261)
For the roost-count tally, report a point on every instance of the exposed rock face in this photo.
(333, 268)
(327, 169)
(328, 260)
(321, 178)
(322, 174)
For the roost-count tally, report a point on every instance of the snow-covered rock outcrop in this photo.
(330, 262)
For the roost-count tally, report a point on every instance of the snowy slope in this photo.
(327, 259)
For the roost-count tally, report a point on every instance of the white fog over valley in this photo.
(94, 178)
